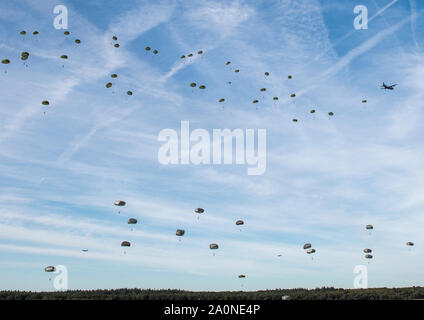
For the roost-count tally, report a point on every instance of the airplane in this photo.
(386, 87)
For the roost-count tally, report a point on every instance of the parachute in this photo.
(199, 210)
(108, 85)
(289, 77)
(294, 120)
(114, 38)
(369, 227)
(221, 100)
(183, 56)
(213, 246)
(199, 52)
(155, 51)
(35, 33)
(116, 45)
(119, 203)
(77, 41)
(409, 244)
(192, 84)
(24, 55)
(312, 111)
(263, 89)
(125, 244)
(255, 101)
(129, 93)
(364, 101)
(132, 221)
(23, 32)
(307, 246)
(5, 61)
(368, 256)
(190, 55)
(180, 232)
(84, 250)
(292, 95)
(50, 269)
(114, 75)
(237, 70)
(202, 87)
(367, 250)
(267, 74)
(309, 251)
(45, 103)
(66, 33)
(242, 276)
(330, 114)
(147, 48)
(239, 222)
(64, 56)
(228, 62)
(275, 98)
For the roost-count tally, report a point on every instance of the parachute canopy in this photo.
(364, 101)
(294, 120)
(23, 32)
(213, 246)
(312, 111)
(114, 75)
(108, 85)
(50, 269)
(45, 103)
(147, 48)
(190, 55)
(116, 45)
(120, 203)
(242, 276)
(309, 251)
(237, 70)
(77, 41)
(35, 33)
(155, 51)
(367, 250)
(192, 84)
(289, 77)
(129, 93)
(410, 244)
(66, 33)
(115, 38)
(369, 227)
(293, 95)
(132, 221)
(24, 55)
(202, 87)
(221, 100)
(330, 113)
(183, 56)
(267, 74)
(255, 101)
(64, 56)
(368, 256)
(199, 210)
(275, 98)
(125, 244)
(199, 52)
(180, 232)
(5, 61)
(307, 246)
(239, 222)
(228, 62)
(263, 89)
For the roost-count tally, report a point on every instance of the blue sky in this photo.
(325, 180)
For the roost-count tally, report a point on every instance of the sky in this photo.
(63, 166)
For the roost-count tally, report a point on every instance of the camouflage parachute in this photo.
(199, 210)
(307, 246)
(213, 246)
(239, 222)
(119, 203)
(50, 269)
(125, 244)
(309, 251)
(180, 232)
(132, 221)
